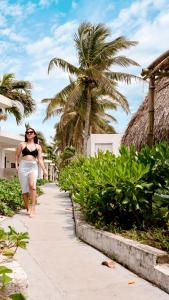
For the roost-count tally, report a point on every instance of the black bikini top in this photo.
(26, 151)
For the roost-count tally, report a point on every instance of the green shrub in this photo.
(41, 181)
(11, 198)
(120, 190)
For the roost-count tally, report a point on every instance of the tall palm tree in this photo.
(20, 92)
(42, 140)
(71, 124)
(96, 57)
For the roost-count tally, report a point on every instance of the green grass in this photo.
(154, 237)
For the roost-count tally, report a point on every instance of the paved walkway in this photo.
(59, 266)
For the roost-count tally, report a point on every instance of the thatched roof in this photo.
(136, 132)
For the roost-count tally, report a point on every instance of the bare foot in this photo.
(32, 213)
(29, 211)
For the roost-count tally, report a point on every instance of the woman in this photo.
(27, 168)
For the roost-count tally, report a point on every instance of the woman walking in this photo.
(27, 167)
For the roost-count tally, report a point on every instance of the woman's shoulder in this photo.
(22, 145)
(38, 147)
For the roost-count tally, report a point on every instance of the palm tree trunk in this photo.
(150, 137)
(87, 119)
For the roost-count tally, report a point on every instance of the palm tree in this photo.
(72, 121)
(20, 92)
(42, 140)
(96, 56)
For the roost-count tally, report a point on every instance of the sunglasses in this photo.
(29, 132)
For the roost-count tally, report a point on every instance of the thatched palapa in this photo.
(136, 132)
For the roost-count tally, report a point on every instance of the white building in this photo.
(103, 142)
(8, 144)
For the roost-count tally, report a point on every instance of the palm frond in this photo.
(66, 118)
(7, 78)
(22, 84)
(123, 61)
(74, 96)
(109, 117)
(121, 76)
(120, 43)
(106, 104)
(64, 65)
(100, 125)
(14, 111)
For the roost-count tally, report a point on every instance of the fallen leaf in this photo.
(131, 282)
(109, 264)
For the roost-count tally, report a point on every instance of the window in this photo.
(103, 147)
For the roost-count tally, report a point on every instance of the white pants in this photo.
(27, 168)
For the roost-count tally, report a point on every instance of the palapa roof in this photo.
(139, 132)
(136, 132)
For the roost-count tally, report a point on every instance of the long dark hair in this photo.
(35, 137)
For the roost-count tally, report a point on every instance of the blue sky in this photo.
(33, 32)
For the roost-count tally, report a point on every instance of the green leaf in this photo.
(5, 279)
(125, 201)
(4, 270)
(17, 297)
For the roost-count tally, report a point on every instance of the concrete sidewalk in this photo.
(59, 266)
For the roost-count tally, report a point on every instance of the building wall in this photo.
(2, 158)
(104, 142)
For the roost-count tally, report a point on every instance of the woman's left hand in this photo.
(45, 173)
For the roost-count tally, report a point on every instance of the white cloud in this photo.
(58, 44)
(44, 3)
(30, 8)
(150, 31)
(16, 10)
(137, 14)
(10, 9)
(12, 36)
(153, 37)
(2, 21)
(145, 21)
(74, 4)
(41, 46)
(67, 29)
(3, 46)
(55, 43)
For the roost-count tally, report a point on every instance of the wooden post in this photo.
(150, 137)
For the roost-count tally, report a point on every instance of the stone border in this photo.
(19, 284)
(146, 261)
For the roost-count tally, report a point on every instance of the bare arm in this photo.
(17, 154)
(40, 160)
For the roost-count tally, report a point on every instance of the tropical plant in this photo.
(18, 91)
(11, 198)
(69, 130)
(9, 243)
(121, 191)
(96, 56)
(11, 240)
